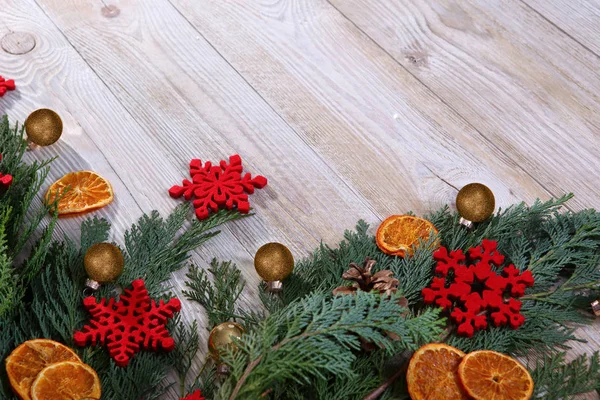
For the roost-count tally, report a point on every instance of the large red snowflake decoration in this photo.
(197, 395)
(5, 179)
(125, 326)
(217, 186)
(6, 85)
(477, 290)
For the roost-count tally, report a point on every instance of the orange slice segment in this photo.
(399, 233)
(79, 192)
(66, 380)
(488, 375)
(433, 373)
(26, 361)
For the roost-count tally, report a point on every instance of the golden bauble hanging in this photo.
(274, 262)
(43, 127)
(103, 263)
(222, 337)
(475, 203)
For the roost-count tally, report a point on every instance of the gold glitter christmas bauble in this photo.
(103, 262)
(475, 202)
(222, 337)
(43, 127)
(274, 262)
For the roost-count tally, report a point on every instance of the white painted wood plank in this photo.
(304, 53)
(580, 19)
(527, 87)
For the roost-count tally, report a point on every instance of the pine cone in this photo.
(381, 281)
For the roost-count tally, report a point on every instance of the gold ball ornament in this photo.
(475, 203)
(274, 262)
(43, 127)
(222, 337)
(103, 263)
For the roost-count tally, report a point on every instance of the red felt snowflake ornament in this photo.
(134, 322)
(6, 85)
(476, 290)
(5, 179)
(218, 186)
(197, 395)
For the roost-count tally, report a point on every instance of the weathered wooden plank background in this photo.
(352, 108)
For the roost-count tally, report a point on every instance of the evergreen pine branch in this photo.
(368, 368)
(188, 344)
(207, 381)
(15, 204)
(27, 181)
(153, 249)
(218, 297)
(8, 292)
(144, 378)
(556, 379)
(315, 337)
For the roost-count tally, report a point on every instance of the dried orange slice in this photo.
(79, 192)
(487, 374)
(433, 373)
(26, 361)
(399, 233)
(66, 380)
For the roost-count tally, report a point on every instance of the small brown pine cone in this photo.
(381, 281)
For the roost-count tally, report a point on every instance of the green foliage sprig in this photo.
(317, 337)
(556, 379)
(19, 219)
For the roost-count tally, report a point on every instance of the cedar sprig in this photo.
(317, 337)
(219, 296)
(19, 218)
(157, 247)
(188, 344)
(557, 379)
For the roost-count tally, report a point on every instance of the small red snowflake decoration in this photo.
(6, 85)
(197, 395)
(477, 291)
(5, 179)
(125, 326)
(223, 186)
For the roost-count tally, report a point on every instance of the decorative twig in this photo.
(383, 387)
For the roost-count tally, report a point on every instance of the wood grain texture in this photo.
(352, 109)
(521, 82)
(347, 98)
(580, 19)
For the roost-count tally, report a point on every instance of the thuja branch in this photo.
(317, 336)
(563, 288)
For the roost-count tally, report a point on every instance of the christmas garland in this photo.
(554, 269)
(340, 329)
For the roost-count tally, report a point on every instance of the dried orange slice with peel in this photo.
(487, 375)
(398, 234)
(79, 192)
(66, 380)
(26, 361)
(433, 373)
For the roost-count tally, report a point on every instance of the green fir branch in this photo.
(555, 379)
(316, 337)
(218, 297)
(188, 344)
(154, 249)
